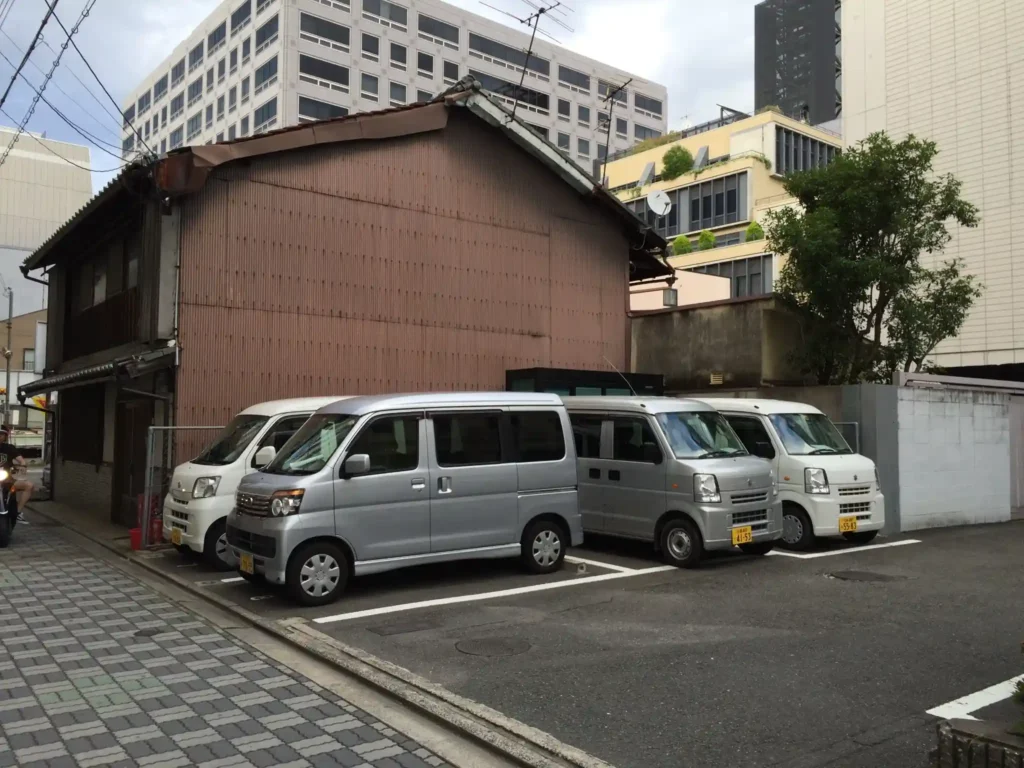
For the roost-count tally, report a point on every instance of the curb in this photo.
(503, 735)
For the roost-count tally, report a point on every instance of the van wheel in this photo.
(543, 546)
(797, 531)
(860, 537)
(317, 573)
(681, 543)
(757, 548)
(216, 551)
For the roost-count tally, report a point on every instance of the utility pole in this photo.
(7, 354)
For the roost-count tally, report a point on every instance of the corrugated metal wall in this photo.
(432, 262)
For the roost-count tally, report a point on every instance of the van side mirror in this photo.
(763, 449)
(357, 464)
(652, 453)
(264, 456)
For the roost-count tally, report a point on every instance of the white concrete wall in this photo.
(954, 457)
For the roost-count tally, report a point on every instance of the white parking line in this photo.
(232, 580)
(597, 564)
(963, 706)
(487, 595)
(814, 555)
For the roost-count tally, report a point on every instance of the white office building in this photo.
(258, 65)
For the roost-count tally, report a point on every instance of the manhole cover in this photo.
(492, 647)
(864, 576)
(147, 632)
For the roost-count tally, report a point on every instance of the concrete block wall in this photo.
(954, 457)
(84, 486)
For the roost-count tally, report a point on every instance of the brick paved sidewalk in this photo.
(98, 669)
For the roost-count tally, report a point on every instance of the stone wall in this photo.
(83, 486)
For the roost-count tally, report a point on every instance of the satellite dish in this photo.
(659, 203)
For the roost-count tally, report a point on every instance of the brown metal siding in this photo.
(430, 262)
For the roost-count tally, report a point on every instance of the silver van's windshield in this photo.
(700, 435)
(309, 449)
(232, 440)
(808, 434)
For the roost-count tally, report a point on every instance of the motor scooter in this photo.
(8, 507)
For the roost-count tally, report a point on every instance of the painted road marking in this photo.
(487, 595)
(596, 564)
(814, 555)
(963, 706)
(232, 580)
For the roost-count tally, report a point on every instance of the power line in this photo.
(52, 151)
(32, 47)
(117, 117)
(5, 11)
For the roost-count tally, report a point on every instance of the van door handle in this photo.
(418, 484)
(444, 485)
(613, 474)
(595, 474)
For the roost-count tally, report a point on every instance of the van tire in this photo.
(797, 531)
(542, 548)
(214, 540)
(681, 543)
(860, 537)
(325, 564)
(758, 548)
(254, 578)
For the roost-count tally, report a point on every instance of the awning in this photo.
(129, 367)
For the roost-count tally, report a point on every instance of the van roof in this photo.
(635, 404)
(275, 407)
(755, 405)
(357, 406)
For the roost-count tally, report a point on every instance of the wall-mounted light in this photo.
(670, 297)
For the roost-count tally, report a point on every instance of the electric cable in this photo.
(52, 151)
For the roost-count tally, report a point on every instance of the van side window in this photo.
(465, 439)
(537, 436)
(753, 435)
(392, 443)
(630, 438)
(586, 431)
(278, 434)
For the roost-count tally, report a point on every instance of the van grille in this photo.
(854, 490)
(261, 546)
(854, 509)
(252, 505)
(749, 497)
(744, 518)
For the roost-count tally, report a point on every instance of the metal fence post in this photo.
(147, 489)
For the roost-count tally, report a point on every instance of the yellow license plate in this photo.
(176, 536)
(245, 564)
(744, 535)
(847, 524)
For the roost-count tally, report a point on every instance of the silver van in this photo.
(371, 484)
(673, 472)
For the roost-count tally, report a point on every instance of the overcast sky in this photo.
(702, 51)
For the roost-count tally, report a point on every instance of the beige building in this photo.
(953, 72)
(740, 163)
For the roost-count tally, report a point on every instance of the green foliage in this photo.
(770, 108)
(854, 271)
(681, 246)
(657, 141)
(754, 232)
(676, 162)
(706, 240)
(718, 163)
(633, 192)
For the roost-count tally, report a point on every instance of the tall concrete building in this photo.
(798, 58)
(254, 65)
(953, 72)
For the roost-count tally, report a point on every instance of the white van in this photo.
(202, 491)
(826, 489)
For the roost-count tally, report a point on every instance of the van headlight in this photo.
(4, 474)
(878, 483)
(205, 487)
(815, 481)
(705, 489)
(284, 503)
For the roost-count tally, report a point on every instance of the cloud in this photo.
(702, 51)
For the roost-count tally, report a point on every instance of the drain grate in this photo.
(492, 647)
(864, 576)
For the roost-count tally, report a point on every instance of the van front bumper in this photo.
(268, 540)
(825, 512)
(193, 518)
(720, 521)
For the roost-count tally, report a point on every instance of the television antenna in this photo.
(556, 11)
(610, 101)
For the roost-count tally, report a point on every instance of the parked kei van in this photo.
(202, 491)
(373, 484)
(672, 472)
(826, 488)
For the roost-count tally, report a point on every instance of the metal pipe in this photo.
(142, 393)
(27, 276)
(147, 490)
(8, 354)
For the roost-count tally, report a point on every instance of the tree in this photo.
(681, 246)
(706, 240)
(854, 260)
(676, 161)
(754, 232)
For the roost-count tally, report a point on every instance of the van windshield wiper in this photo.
(718, 454)
(822, 451)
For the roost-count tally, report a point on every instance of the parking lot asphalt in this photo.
(832, 660)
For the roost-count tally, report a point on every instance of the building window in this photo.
(231, 133)
(398, 94)
(323, 32)
(177, 105)
(368, 86)
(748, 277)
(645, 105)
(217, 38)
(265, 75)
(220, 107)
(222, 70)
(163, 117)
(439, 32)
(220, 137)
(642, 132)
(563, 141)
(386, 13)
(564, 110)
(583, 116)
(605, 88)
(602, 151)
(425, 65)
(243, 128)
(246, 49)
(424, 96)
(322, 73)
(144, 102)
(209, 115)
(245, 88)
(209, 79)
(583, 148)
(195, 57)
(796, 152)
(177, 73)
(539, 130)
(145, 129)
(129, 115)
(195, 125)
(195, 91)
(160, 88)
(573, 80)
(266, 34)
(371, 47)
(714, 203)
(399, 55)
(265, 117)
(451, 72)
(128, 144)
(506, 56)
(510, 93)
(233, 57)
(621, 128)
(163, 146)
(177, 137)
(233, 98)
(311, 109)
(241, 16)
